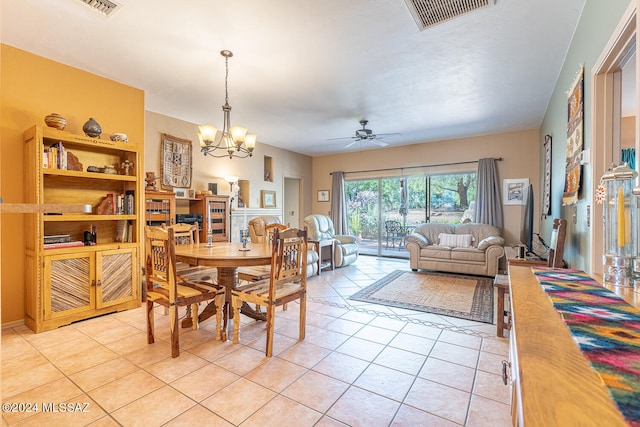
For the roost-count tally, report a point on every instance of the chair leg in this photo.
(236, 303)
(173, 325)
(194, 315)
(150, 322)
(219, 303)
(271, 314)
(303, 316)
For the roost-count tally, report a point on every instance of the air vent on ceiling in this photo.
(104, 7)
(431, 12)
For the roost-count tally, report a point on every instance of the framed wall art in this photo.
(181, 193)
(176, 162)
(514, 191)
(268, 198)
(575, 138)
(546, 194)
(323, 195)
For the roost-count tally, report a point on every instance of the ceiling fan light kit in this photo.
(234, 140)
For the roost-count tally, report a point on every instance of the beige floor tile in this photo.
(344, 326)
(386, 323)
(329, 422)
(276, 374)
(83, 360)
(464, 340)
(53, 338)
(385, 382)
(357, 407)
(106, 421)
(449, 374)
(490, 362)
(198, 416)
(154, 409)
(280, 343)
(204, 382)
(441, 400)
(342, 367)
(239, 400)
(486, 412)
(14, 346)
(242, 361)
(422, 331)
(29, 378)
(149, 354)
(125, 390)
(171, 369)
(402, 360)
(103, 373)
(59, 391)
(305, 354)
(126, 344)
(362, 349)
(315, 390)
(283, 412)
(214, 350)
(79, 411)
(411, 417)
(456, 354)
(326, 339)
(496, 345)
(413, 343)
(491, 386)
(376, 334)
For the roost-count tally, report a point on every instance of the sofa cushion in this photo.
(455, 240)
(433, 251)
(493, 240)
(468, 254)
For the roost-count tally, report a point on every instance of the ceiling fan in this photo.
(365, 134)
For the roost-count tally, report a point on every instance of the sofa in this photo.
(258, 233)
(456, 248)
(345, 248)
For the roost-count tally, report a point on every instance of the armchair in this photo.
(346, 249)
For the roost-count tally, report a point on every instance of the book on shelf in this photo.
(64, 244)
(122, 231)
(58, 238)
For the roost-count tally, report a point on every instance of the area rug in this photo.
(465, 297)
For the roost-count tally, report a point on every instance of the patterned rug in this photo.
(606, 329)
(465, 297)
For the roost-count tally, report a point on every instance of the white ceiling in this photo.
(305, 71)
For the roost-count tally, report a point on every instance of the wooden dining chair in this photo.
(261, 272)
(556, 246)
(164, 287)
(287, 282)
(188, 234)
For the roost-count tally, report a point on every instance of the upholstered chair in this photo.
(259, 233)
(321, 228)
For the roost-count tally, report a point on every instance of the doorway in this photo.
(292, 202)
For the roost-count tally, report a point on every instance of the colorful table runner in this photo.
(606, 329)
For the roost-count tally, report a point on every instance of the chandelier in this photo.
(234, 139)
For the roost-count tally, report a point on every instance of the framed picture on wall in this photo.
(268, 198)
(181, 193)
(514, 191)
(323, 195)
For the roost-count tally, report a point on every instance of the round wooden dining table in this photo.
(227, 257)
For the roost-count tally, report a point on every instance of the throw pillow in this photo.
(489, 241)
(455, 240)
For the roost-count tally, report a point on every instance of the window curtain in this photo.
(629, 156)
(338, 204)
(488, 203)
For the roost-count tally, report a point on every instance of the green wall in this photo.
(597, 23)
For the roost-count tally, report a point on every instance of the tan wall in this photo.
(33, 87)
(628, 132)
(208, 169)
(520, 152)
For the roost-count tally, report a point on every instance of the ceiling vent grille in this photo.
(431, 12)
(104, 7)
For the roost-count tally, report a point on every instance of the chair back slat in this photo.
(556, 247)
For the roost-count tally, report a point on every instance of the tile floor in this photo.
(360, 365)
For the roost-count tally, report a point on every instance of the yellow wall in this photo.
(32, 87)
(520, 152)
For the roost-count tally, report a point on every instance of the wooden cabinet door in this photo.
(68, 282)
(116, 277)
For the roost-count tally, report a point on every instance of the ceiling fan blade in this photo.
(351, 143)
(343, 138)
(378, 135)
(378, 142)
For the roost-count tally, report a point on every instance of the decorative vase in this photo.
(91, 128)
(55, 120)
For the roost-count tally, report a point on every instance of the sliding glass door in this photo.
(383, 211)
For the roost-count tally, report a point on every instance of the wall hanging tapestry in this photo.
(176, 162)
(575, 136)
(546, 196)
(465, 297)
